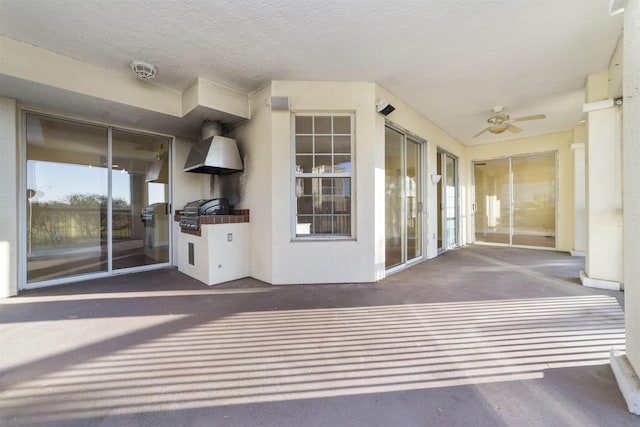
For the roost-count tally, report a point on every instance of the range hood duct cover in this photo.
(158, 171)
(215, 154)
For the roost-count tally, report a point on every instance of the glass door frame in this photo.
(23, 201)
(422, 157)
(442, 202)
(511, 201)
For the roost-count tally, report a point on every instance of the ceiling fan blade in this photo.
(522, 119)
(481, 132)
(514, 129)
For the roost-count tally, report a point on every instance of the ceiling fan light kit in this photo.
(501, 122)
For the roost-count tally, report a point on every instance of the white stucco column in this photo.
(8, 198)
(579, 198)
(603, 263)
(626, 368)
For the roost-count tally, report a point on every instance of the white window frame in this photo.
(295, 175)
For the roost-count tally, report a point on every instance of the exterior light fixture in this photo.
(143, 70)
(383, 107)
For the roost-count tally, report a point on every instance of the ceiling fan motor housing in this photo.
(500, 122)
(498, 119)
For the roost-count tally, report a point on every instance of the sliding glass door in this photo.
(492, 204)
(67, 192)
(515, 200)
(140, 182)
(86, 188)
(447, 195)
(403, 201)
(534, 200)
(413, 189)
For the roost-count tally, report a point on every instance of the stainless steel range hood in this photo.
(215, 154)
(158, 171)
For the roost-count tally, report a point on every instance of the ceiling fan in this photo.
(500, 122)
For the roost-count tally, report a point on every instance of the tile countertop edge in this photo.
(236, 216)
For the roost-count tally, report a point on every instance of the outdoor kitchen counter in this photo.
(219, 251)
(235, 216)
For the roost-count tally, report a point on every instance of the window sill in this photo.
(324, 239)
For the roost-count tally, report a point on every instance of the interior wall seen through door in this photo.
(515, 200)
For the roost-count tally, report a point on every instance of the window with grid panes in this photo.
(323, 171)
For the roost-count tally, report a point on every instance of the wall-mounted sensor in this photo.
(384, 107)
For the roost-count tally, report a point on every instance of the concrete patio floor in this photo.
(479, 336)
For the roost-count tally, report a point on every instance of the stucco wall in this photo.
(8, 198)
(361, 259)
(631, 180)
(604, 257)
(325, 261)
(255, 182)
(51, 70)
(560, 142)
(579, 189)
(39, 65)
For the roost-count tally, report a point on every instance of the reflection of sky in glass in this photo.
(54, 182)
(343, 167)
(156, 192)
(121, 186)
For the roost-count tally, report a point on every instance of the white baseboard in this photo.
(627, 380)
(578, 253)
(599, 283)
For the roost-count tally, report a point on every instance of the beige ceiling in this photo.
(451, 60)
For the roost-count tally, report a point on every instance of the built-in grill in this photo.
(150, 212)
(192, 211)
(156, 230)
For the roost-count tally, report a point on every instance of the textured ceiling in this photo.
(451, 60)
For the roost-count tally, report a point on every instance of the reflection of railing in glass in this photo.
(58, 225)
(122, 224)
